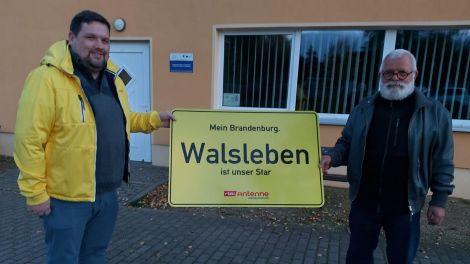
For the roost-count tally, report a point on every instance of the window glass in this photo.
(443, 60)
(337, 69)
(256, 70)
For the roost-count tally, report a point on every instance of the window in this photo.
(256, 70)
(443, 59)
(337, 69)
(330, 71)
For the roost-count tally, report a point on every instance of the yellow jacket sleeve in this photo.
(145, 122)
(34, 122)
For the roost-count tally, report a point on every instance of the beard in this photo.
(93, 65)
(396, 90)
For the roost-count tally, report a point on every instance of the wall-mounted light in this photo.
(119, 24)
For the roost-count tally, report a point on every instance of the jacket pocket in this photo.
(82, 108)
(71, 108)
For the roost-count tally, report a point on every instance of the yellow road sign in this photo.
(245, 159)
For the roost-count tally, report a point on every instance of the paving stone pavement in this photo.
(179, 236)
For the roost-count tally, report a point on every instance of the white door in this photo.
(133, 59)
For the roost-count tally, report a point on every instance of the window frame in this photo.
(324, 118)
(293, 64)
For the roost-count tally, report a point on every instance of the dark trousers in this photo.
(402, 233)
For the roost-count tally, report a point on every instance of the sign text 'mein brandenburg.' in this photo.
(243, 128)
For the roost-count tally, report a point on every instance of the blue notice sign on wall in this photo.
(181, 62)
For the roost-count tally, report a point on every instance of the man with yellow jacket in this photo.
(72, 141)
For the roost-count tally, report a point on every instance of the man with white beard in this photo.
(397, 145)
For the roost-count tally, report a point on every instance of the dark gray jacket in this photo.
(430, 150)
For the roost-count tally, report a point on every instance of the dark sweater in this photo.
(384, 182)
(110, 128)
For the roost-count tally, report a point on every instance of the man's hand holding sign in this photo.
(245, 159)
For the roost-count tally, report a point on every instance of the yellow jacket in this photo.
(55, 143)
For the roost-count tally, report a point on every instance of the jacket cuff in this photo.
(335, 162)
(38, 199)
(439, 199)
(155, 121)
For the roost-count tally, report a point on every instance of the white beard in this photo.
(396, 90)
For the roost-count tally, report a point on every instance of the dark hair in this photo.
(86, 16)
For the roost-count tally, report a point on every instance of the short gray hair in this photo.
(398, 53)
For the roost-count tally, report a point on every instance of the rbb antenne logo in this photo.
(230, 193)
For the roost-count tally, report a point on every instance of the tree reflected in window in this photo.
(337, 69)
(443, 60)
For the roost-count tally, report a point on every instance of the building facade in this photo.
(296, 55)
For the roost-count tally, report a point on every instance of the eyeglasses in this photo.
(401, 75)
